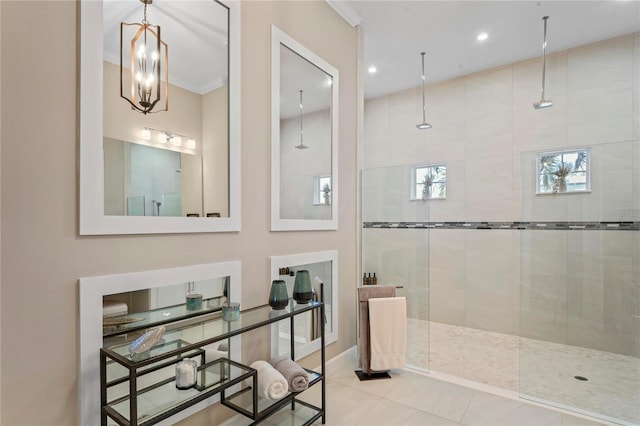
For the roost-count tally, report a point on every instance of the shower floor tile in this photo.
(542, 370)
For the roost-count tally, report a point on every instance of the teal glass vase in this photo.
(278, 297)
(302, 290)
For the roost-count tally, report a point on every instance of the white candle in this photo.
(186, 373)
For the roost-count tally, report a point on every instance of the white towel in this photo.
(388, 332)
(271, 383)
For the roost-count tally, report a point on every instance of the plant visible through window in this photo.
(430, 182)
(565, 171)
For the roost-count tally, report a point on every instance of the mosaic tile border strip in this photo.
(535, 226)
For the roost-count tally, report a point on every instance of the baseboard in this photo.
(346, 359)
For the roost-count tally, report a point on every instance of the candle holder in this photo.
(193, 299)
(186, 374)
(231, 312)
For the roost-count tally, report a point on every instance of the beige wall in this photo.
(45, 255)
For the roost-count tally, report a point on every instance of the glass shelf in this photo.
(156, 317)
(117, 373)
(163, 399)
(206, 332)
(144, 384)
(242, 401)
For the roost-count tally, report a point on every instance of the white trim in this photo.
(346, 359)
(91, 292)
(347, 12)
(93, 221)
(278, 37)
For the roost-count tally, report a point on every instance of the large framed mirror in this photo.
(304, 137)
(116, 309)
(165, 171)
(323, 268)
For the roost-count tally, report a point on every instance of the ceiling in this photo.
(395, 32)
(195, 31)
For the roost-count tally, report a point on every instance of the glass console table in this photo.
(140, 389)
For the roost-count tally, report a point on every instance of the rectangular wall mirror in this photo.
(116, 309)
(164, 171)
(323, 268)
(304, 137)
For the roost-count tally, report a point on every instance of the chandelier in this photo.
(148, 59)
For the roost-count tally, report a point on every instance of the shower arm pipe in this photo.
(301, 129)
(544, 54)
(424, 105)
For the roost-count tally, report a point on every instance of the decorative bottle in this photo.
(278, 297)
(302, 290)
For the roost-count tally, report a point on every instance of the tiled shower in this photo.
(535, 294)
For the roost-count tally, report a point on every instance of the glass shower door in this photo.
(395, 247)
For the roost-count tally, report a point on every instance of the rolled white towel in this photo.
(271, 383)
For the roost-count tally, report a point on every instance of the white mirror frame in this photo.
(93, 289)
(278, 262)
(278, 37)
(93, 221)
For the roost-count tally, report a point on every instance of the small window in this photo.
(322, 190)
(564, 171)
(429, 182)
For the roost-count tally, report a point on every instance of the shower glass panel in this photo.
(395, 247)
(172, 204)
(135, 205)
(580, 289)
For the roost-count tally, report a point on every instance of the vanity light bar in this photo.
(165, 136)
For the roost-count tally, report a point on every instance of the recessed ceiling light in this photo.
(482, 36)
(372, 70)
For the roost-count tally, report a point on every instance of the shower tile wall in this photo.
(474, 278)
(487, 133)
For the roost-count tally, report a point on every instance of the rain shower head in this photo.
(544, 103)
(423, 126)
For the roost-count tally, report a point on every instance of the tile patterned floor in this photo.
(410, 398)
(414, 399)
(538, 369)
